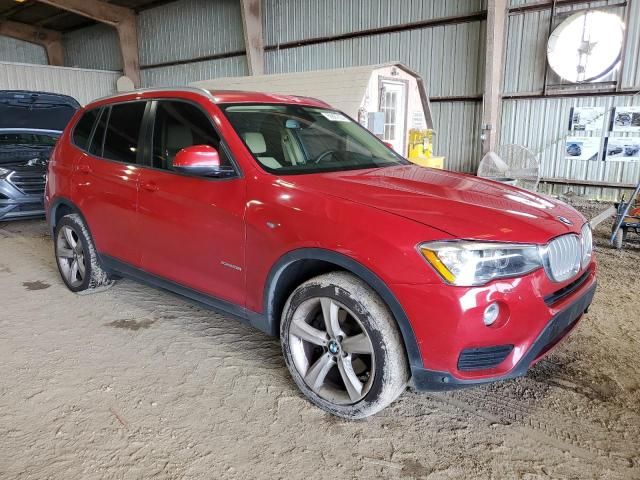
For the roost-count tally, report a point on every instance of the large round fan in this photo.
(511, 164)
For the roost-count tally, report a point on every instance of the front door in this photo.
(191, 228)
(393, 98)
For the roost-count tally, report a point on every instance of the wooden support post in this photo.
(494, 70)
(253, 37)
(122, 19)
(49, 39)
(55, 53)
(128, 35)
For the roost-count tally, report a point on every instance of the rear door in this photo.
(106, 179)
(192, 228)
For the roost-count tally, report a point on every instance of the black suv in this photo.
(30, 124)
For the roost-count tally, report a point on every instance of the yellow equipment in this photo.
(421, 149)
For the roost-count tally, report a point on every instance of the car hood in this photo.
(35, 110)
(460, 205)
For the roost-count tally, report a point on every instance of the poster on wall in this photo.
(623, 148)
(582, 148)
(586, 119)
(626, 119)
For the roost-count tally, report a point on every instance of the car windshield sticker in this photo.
(335, 116)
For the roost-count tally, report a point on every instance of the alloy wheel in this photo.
(71, 257)
(332, 351)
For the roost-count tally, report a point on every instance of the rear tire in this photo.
(342, 346)
(76, 256)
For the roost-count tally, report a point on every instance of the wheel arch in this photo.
(300, 265)
(61, 207)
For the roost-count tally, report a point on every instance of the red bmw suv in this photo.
(285, 213)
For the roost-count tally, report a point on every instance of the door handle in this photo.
(86, 169)
(150, 187)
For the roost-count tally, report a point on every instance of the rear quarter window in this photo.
(82, 132)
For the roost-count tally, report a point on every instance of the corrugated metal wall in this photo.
(291, 20)
(190, 29)
(631, 73)
(12, 50)
(169, 34)
(457, 126)
(83, 85)
(541, 124)
(446, 56)
(192, 72)
(93, 47)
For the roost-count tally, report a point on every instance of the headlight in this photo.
(468, 263)
(586, 242)
(4, 172)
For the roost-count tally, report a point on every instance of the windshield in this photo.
(20, 139)
(290, 139)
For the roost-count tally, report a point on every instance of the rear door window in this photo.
(82, 132)
(123, 131)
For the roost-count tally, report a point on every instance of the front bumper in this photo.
(458, 350)
(15, 204)
(558, 327)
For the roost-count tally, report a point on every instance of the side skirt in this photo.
(255, 319)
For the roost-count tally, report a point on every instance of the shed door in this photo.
(393, 100)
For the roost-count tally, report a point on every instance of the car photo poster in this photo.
(587, 119)
(626, 119)
(582, 148)
(623, 149)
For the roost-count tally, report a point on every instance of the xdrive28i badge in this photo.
(565, 220)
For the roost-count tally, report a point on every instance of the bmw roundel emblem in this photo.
(565, 220)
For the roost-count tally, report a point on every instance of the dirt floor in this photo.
(136, 383)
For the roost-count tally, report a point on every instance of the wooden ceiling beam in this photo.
(49, 39)
(121, 18)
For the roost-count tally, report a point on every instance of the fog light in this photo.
(491, 314)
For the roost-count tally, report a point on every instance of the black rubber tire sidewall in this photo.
(381, 344)
(71, 222)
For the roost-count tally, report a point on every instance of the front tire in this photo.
(342, 346)
(76, 256)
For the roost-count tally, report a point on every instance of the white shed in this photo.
(388, 99)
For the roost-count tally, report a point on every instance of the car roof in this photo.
(215, 96)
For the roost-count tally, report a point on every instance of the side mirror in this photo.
(201, 160)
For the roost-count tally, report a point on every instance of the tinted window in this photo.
(82, 132)
(123, 129)
(98, 136)
(179, 125)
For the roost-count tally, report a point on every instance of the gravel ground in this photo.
(134, 382)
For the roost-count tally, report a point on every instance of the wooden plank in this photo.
(494, 65)
(253, 36)
(601, 217)
(100, 11)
